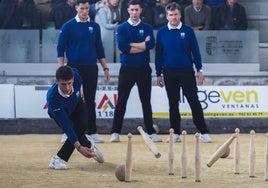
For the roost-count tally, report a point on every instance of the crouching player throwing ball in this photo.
(66, 107)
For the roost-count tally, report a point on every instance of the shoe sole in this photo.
(53, 167)
(98, 141)
(98, 155)
(160, 140)
(50, 166)
(206, 141)
(114, 140)
(175, 141)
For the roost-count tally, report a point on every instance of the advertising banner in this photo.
(216, 101)
(30, 101)
(7, 101)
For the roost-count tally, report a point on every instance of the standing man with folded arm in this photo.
(80, 38)
(177, 51)
(135, 39)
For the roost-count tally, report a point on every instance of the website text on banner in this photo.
(217, 101)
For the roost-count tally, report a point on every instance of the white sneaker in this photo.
(98, 155)
(205, 138)
(95, 137)
(176, 138)
(57, 163)
(63, 138)
(115, 137)
(155, 138)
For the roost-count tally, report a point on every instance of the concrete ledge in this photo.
(215, 125)
(48, 69)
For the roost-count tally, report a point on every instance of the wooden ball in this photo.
(120, 172)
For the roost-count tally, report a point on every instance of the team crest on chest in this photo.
(141, 31)
(90, 29)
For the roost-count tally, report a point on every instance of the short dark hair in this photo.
(173, 6)
(81, 2)
(64, 73)
(135, 2)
